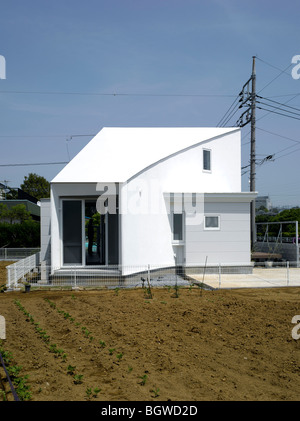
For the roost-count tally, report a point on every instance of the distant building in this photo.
(2, 191)
(263, 201)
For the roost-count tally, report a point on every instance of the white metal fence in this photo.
(17, 253)
(262, 275)
(211, 276)
(17, 271)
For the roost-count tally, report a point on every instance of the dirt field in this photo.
(218, 345)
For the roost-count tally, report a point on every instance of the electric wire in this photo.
(225, 115)
(115, 94)
(34, 163)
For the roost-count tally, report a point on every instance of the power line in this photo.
(276, 77)
(276, 134)
(114, 94)
(58, 136)
(33, 164)
(228, 111)
(271, 65)
(279, 103)
(275, 112)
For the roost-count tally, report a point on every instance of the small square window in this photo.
(206, 160)
(212, 222)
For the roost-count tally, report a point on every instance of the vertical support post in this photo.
(253, 152)
(288, 272)
(219, 275)
(8, 277)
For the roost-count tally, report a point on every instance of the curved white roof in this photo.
(117, 154)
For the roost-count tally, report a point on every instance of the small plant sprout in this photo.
(143, 379)
(155, 392)
(78, 378)
(119, 356)
(96, 391)
(71, 369)
(102, 343)
(111, 351)
(92, 393)
(88, 392)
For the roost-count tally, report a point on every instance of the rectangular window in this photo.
(177, 226)
(206, 160)
(212, 222)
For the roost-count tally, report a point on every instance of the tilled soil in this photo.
(201, 345)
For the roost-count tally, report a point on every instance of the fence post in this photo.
(219, 275)
(8, 277)
(15, 275)
(288, 272)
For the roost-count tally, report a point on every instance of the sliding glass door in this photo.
(88, 238)
(72, 232)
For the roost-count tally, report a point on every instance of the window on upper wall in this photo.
(206, 159)
(177, 227)
(212, 222)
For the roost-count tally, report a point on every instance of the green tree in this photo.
(3, 211)
(17, 213)
(36, 185)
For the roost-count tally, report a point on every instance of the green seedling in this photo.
(92, 393)
(119, 356)
(88, 392)
(96, 391)
(102, 343)
(144, 379)
(71, 370)
(78, 378)
(53, 348)
(155, 392)
(111, 351)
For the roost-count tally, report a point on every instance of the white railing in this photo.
(17, 271)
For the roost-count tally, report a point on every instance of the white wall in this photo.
(229, 244)
(146, 230)
(45, 230)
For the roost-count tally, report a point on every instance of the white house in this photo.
(150, 196)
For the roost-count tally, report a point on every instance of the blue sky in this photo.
(168, 62)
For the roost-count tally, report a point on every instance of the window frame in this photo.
(217, 228)
(182, 214)
(203, 160)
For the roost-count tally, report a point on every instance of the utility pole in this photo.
(253, 152)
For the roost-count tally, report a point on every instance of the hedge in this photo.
(25, 234)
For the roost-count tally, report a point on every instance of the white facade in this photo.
(150, 174)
